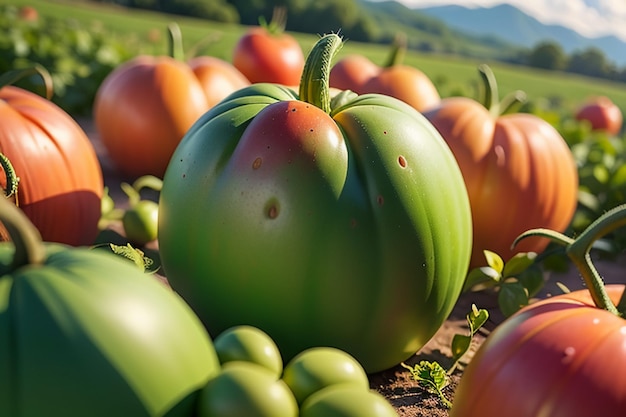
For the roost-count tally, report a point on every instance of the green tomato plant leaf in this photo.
(494, 261)
(511, 297)
(518, 264)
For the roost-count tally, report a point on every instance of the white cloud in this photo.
(588, 17)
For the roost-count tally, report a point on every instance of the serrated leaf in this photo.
(132, 254)
(494, 261)
(511, 297)
(518, 264)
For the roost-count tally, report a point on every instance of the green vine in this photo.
(578, 250)
(29, 249)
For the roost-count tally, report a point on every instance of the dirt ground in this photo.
(397, 384)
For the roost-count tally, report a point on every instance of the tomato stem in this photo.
(398, 51)
(578, 250)
(24, 235)
(10, 77)
(491, 100)
(315, 81)
(278, 23)
(175, 38)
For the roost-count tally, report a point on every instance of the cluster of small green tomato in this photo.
(319, 382)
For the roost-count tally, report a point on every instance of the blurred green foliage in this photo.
(77, 57)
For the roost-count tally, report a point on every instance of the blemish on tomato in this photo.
(380, 200)
(402, 161)
(272, 212)
(257, 163)
(353, 223)
(384, 132)
(568, 355)
(184, 176)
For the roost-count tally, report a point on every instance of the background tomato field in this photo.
(81, 50)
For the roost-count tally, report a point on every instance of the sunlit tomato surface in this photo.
(87, 333)
(347, 401)
(603, 114)
(320, 227)
(246, 389)
(519, 172)
(250, 344)
(143, 109)
(319, 367)
(560, 357)
(218, 78)
(263, 56)
(60, 179)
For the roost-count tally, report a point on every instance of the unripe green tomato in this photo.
(141, 222)
(250, 344)
(320, 367)
(347, 401)
(245, 389)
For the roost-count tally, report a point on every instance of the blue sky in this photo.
(590, 18)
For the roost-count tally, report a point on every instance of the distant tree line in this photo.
(358, 23)
(590, 61)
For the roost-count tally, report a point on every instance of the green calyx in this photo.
(578, 250)
(315, 81)
(509, 103)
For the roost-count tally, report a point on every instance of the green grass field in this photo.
(453, 76)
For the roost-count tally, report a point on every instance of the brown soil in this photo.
(397, 384)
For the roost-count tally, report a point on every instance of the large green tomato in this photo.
(86, 333)
(344, 224)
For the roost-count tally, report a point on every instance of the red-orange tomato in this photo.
(142, 110)
(560, 357)
(518, 170)
(404, 82)
(60, 179)
(352, 72)
(263, 56)
(219, 78)
(603, 114)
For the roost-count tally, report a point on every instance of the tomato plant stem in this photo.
(398, 51)
(578, 250)
(491, 100)
(24, 235)
(315, 81)
(175, 38)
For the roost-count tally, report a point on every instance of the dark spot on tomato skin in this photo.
(380, 200)
(256, 164)
(184, 176)
(402, 161)
(272, 212)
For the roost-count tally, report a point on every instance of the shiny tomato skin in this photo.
(246, 389)
(295, 212)
(555, 358)
(320, 367)
(347, 401)
(250, 344)
(265, 57)
(218, 78)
